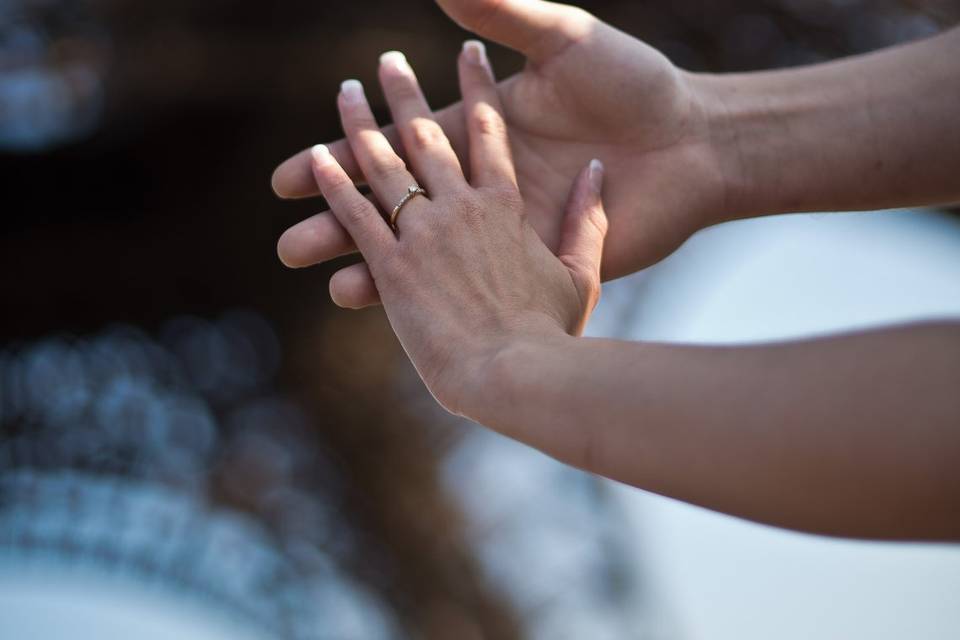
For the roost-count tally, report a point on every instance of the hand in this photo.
(588, 91)
(465, 272)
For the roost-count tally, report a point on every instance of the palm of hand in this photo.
(639, 116)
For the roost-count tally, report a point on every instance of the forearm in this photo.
(868, 132)
(856, 435)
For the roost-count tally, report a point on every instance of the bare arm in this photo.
(683, 150)
(856, 435)
(868, 132)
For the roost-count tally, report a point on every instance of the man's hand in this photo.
(588, 91)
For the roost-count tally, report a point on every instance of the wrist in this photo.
(727, 133)
(755, 124)
(493, 380)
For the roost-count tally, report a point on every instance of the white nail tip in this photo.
(320, 153)
(393, 57)
(396, 61)
(476, 51)
(596, 176)
(352, 89)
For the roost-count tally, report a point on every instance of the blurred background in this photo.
(196, 443)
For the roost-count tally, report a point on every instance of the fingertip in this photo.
(283, 259)
(275, 183)
(395, 62)
(585, 223)
(320, 154)
(596, 170)
(473, 57)
(589, 187)
(582, 192)
(325, 168)
(475, 52)
(335, 295)
(353, 288)
(352, 92)
(282, 178)
(283, 250)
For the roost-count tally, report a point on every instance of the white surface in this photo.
(722, 578)
(54, 603)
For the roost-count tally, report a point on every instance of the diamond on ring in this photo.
(413, 191)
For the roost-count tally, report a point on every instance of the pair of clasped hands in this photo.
(509, 241)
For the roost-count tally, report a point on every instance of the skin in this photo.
(855, 435)
(489, 281)
(490, 273)
(683, 150)
(560, 114)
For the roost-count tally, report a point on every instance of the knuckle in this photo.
(387, 165)
(466, 205)
(425, 134)
(503, 196)
(338, 186)
(330, 177)
(476, 16)
(402, 88)
(573, 17)
(574, 24)
(598, 220)
(359, 122)
(473, 215)
(357, 210)
(508, 197)
(487, 121)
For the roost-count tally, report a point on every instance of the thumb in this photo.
(583, 231)
(535, 28)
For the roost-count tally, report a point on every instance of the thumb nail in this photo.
(596, 175)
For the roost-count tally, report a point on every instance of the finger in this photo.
(294, 177)
(353, 211)
(317, 239)
(491, 163)
(353, 287)
(535, 28)
(427, 147)
(385, 171)
(584, 228)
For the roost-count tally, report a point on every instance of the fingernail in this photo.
(352, 91)
(396, 61)
(596, 175)
(321, 154)
(476, 53)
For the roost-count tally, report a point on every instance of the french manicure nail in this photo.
(476, 53)
(596, 175)
(321, 154)
(352, 91)
(395, 60)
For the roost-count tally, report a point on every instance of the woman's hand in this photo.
(588, 91)
(465, 273)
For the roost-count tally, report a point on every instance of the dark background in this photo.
(144, 194)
